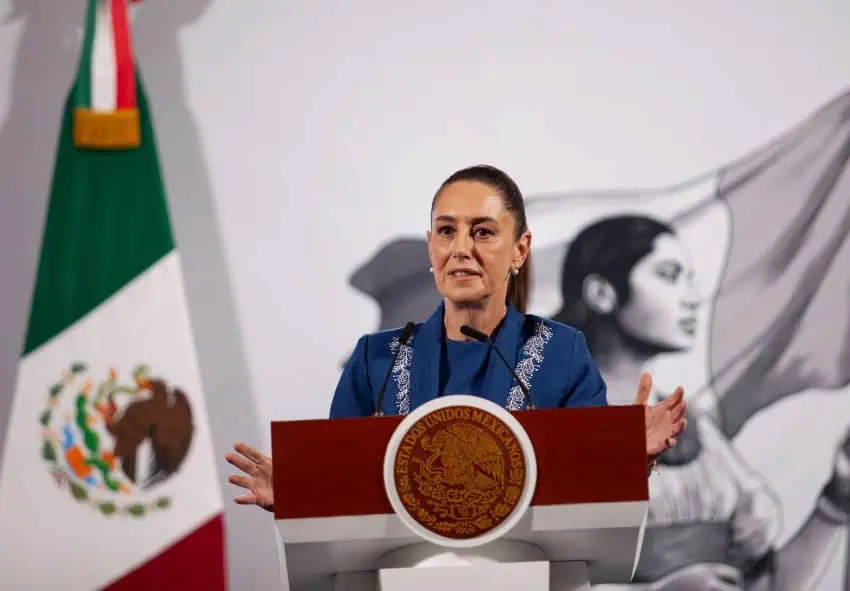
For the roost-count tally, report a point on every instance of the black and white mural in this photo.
(736, 284)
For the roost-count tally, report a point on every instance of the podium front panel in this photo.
(326, 468)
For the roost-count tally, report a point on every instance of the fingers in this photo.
(677, 407)
(644, 388)
(241, 463)
(677, 413)
(249, 499)
(250, 453)
(239, 480)
(676, 427)
(251, 461)
(675, 398)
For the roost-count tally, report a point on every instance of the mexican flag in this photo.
(108, 476)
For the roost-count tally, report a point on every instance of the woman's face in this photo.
(662, 309)
(472, 244)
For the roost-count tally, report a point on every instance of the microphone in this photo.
(480, 336)
(406, 332)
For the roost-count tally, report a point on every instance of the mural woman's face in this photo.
(662, 307)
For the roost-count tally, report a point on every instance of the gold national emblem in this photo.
(459, 471)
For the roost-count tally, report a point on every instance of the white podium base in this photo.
(604, 536)
(516, 576)
(503, 565)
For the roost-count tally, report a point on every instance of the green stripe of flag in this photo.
(107, 222)
(83, 86)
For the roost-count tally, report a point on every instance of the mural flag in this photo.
(781, 320)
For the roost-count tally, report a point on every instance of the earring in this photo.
(431, 270)
(515, 271)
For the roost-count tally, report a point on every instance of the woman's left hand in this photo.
(664, 420)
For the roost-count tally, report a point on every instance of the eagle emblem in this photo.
(464, 455)
(459, 471)
(112, 442)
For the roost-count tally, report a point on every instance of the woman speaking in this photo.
(479, 245)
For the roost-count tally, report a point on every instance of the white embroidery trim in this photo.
(401, 375)
(526, 367)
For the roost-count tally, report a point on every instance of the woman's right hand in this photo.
(706, 576)
(257, 478)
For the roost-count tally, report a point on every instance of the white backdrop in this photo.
(320, 130)
(328, 126)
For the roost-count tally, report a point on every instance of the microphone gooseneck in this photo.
(476, 334)
(406, 333)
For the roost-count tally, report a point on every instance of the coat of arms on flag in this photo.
(111, 441)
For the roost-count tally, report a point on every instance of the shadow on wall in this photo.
(397, 276)
(44, 67)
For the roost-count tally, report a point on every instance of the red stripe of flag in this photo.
(198, 561)
(125, 79)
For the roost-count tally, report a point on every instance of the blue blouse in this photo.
(551, 358)
(463, 366)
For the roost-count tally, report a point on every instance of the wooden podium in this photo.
(582, 525)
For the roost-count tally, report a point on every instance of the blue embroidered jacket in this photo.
(551, 358)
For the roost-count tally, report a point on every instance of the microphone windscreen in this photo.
(406, 332)
(473, 333)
